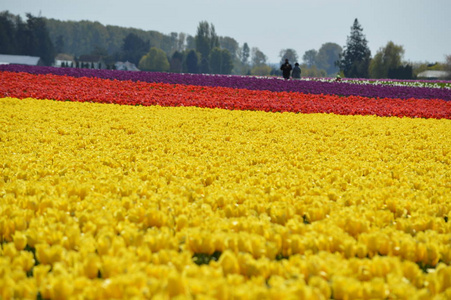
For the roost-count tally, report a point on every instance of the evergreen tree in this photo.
(38, 42)
(204, 66)
(176, 63)
(26, 38)
(59, 44)
(245, 53)
(192, 62)
(356, 56)
(8, 31)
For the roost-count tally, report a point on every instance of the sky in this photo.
(422, 27)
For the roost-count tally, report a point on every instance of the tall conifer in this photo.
(356, 57)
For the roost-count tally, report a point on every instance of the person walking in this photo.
(286, 69)
(296, 71)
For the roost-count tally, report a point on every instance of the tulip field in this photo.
(139, 185)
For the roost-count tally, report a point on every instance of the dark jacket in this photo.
(296, 72)
(286, 70)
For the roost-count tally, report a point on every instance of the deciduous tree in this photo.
(134, 48)
(448, 65)
(230, 44)
(312, 71)
(258, 57)
(289, 54)
(309, 57)
(206, 39)
(327, 56)
(261, 70)
(386, 58)
(156, 60)
(220, 61)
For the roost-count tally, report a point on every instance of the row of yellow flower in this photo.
(105, 201)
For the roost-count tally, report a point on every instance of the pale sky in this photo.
(422, 27)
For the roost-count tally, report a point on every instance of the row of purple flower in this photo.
(248, 82)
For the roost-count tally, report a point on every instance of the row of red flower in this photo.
(64, 88)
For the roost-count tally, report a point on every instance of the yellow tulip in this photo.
(24, 261)
(9, 250)
(60, 288)
(361, 250)
(48, 254)
(40, 272)
(7, 288)
(229, 262)
(20, 240)
(135, 192)
(176, 284)
(321, 285)
(91, 265)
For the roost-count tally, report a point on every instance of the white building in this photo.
(64, 60)
(8, 59)
(125, 66)
(433, 74)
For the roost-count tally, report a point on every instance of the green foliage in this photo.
(356, 56)
(448, 68)
(261, 70)
(26, 38)
(388, 57)
(309, 57)
(289, 54)
(133, 48)
(220, 61)
(206, 39)
(80, 37)
(192, 62)
(8, 41)
(258, 57)
(156, 60)
(190, 43)
(230, 45)
(401, 72)
(327, 57)
(41, 43)
(204, 258)
(245, 54)
(176, 63)
(59, 44)
(312, 71)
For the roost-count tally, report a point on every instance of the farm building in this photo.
(9, 59)
(125, 66)
(64, 60)
(91, 62)
(433, 74)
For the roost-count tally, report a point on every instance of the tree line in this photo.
(28, 37)
(206, 52)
